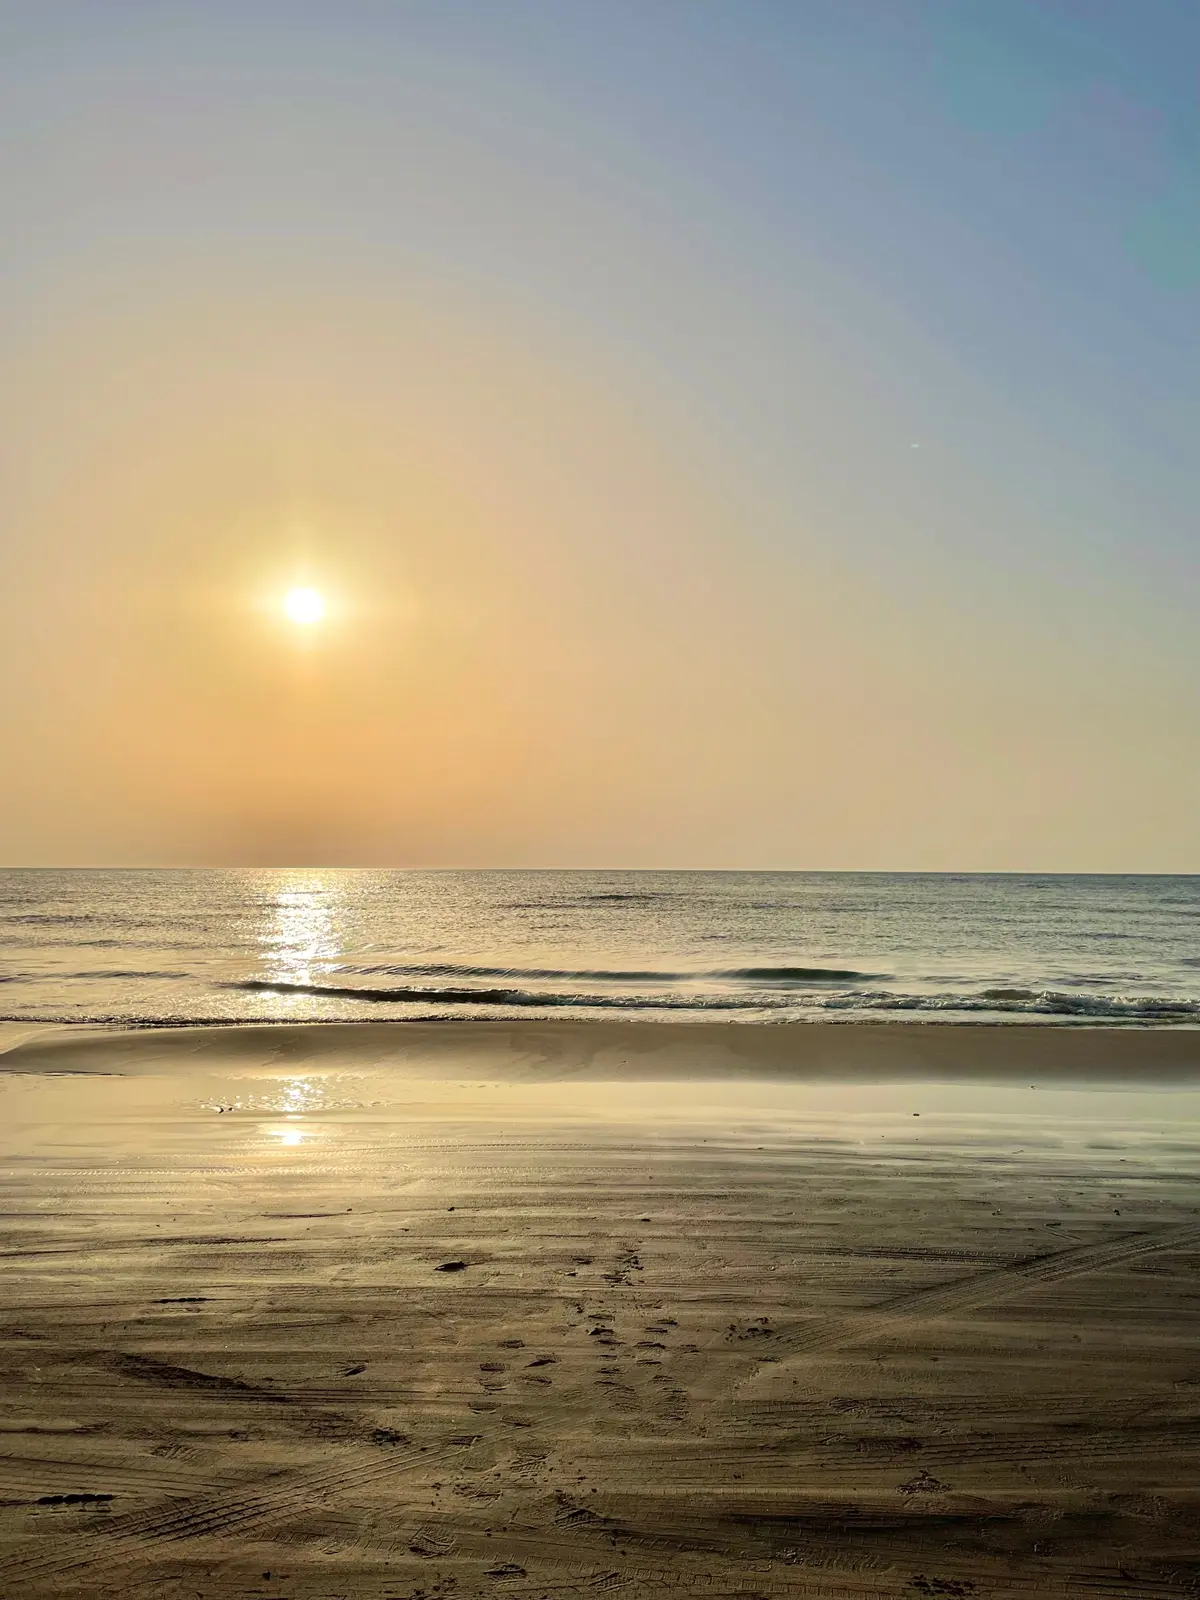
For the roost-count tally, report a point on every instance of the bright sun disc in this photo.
(304, 605)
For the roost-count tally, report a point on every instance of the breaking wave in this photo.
(810, 1004)
(502, 997)
(1029, 1002)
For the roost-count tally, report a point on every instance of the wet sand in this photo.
(561, 1310)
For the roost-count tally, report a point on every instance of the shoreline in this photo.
(619, 1051)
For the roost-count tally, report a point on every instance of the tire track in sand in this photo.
(965, 1294)
(123, 1539)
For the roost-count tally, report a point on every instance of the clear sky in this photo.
(755, 433)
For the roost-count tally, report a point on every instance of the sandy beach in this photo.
(560, 1309)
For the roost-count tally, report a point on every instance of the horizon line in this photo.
(866, 872)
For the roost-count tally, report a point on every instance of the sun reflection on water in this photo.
(300, 939)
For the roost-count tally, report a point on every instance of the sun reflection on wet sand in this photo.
(301, 1094)
(291, 1134)
(296, 1099)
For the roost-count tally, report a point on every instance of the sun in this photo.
(305, 606)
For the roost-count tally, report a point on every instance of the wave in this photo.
(436, 969)
(643, 894)
(1044, 1003)
(794, 974)
(134, 973)
(46, 919)
(1049, 1008)
(24, 943)
(1050, 1003)
(443, 969)
(583, 902)
(502, 997)
(120, 1019)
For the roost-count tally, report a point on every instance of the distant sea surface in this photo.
(172, 947)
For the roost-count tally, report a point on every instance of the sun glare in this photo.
(304, 606)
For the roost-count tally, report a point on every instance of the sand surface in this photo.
(428, 1313)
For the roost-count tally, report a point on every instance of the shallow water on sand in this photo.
(176, 946)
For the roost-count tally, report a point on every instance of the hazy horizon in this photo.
(725, 437)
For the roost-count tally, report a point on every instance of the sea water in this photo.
(221, 946)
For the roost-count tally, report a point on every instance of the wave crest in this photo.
(500, 997)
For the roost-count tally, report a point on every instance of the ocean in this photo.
(169, 947)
